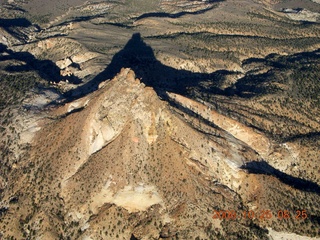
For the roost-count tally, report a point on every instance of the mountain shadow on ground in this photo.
(298, 183)
(46, 69)
(13, 26)
(280, 69)
(15, 22)
(140, 57)
(176, 15)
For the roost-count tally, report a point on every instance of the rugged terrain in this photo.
(140, 120)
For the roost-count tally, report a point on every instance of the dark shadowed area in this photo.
(139, 56)
(298, 183)
(46, 69)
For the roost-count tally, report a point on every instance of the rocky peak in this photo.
(123, 149)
